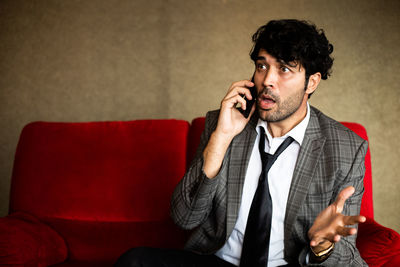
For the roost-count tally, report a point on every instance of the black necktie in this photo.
(256, 237)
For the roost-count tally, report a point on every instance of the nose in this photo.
(270, 78)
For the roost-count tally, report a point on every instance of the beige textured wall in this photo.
(81, 60)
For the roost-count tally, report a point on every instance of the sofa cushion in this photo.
(26, 241)
(91, 241)
(75, 263)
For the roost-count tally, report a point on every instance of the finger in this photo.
(240, 87)
(346, 231)
(317, 240)
(342, 197)
(313, 243)
(232, 101)
(350, 220)
(242, 83)
(242, 91)
(245, 92)
(336, 238)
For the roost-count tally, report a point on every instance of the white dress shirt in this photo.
(279, 180)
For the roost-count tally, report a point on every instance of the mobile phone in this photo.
(249, 103)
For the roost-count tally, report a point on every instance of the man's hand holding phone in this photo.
(230, 123)
(231, 119)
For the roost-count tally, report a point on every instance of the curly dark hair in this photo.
(293, 40)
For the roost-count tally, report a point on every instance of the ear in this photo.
(313, 82)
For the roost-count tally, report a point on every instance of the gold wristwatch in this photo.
(322, 255)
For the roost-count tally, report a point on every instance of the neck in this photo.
(280, 128)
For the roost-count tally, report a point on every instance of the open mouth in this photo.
(265, 102)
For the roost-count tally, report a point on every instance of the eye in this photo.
(285, 69)
(261, 66)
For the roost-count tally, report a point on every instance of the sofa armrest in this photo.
(378, 245)
(25, 241)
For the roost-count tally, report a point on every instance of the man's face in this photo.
(280, 88)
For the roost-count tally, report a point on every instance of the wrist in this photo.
(319, 255)
(214, 154)
(321, 247)
(222, 136)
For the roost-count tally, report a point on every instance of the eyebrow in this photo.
(292, 64)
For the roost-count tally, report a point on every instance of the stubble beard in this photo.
(283, 109)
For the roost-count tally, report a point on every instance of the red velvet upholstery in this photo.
(77, 165)
(104, 186)
(378, 245)
(100, 188)
(25, 241)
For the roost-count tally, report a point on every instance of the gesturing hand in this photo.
(331, 224)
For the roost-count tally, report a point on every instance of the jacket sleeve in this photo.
(345, 252)
(192, 198)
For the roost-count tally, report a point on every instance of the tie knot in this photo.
(268, 159)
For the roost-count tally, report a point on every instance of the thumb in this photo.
(342, 197)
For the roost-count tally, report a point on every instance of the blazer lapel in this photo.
(241, 148)
(310, 152)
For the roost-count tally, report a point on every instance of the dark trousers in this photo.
(149, 257)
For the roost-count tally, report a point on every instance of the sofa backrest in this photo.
(367, 209)
(103, 171)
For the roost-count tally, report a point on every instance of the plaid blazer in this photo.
(331, 158)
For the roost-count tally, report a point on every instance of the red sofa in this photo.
(83, 193)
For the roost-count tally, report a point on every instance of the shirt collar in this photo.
(297, 133)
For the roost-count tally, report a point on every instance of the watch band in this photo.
(322, 255)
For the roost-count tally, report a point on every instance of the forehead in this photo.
(264, 55)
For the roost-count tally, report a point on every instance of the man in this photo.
(309, 195)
